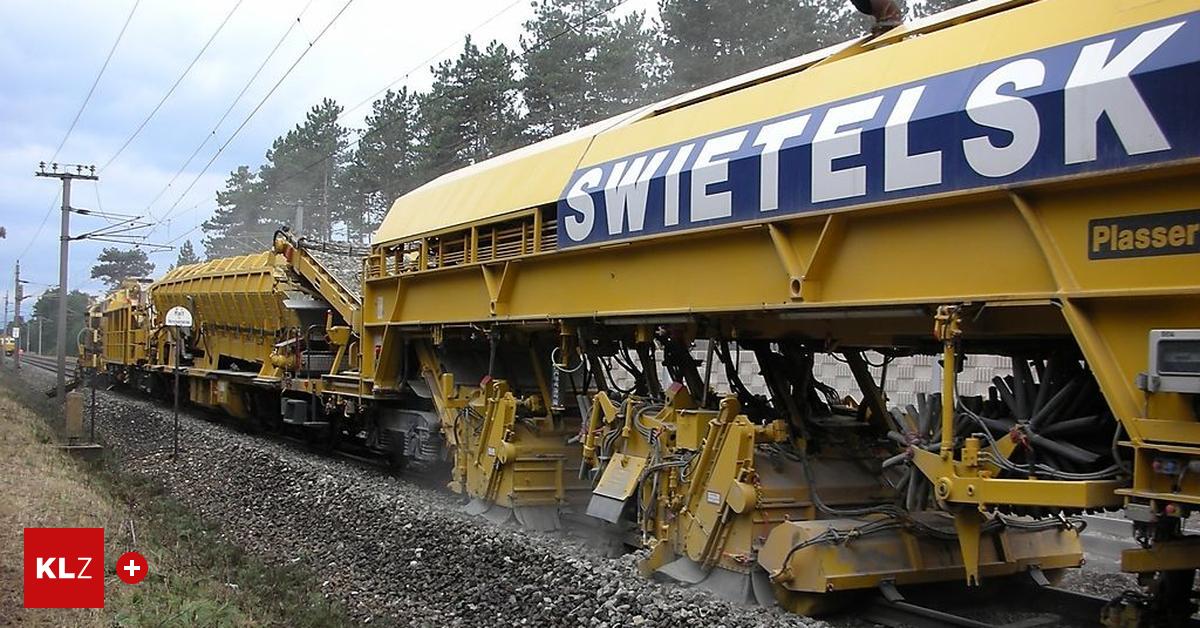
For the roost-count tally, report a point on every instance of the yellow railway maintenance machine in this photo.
(275, 341)
(255, 325)
(269, 329)
(125, 319)
(1010, 178)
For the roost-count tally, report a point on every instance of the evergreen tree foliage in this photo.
(46, 308)
(705, 42)
(114, 265)
(239, 225)
(187, 255)
(470, 112)
(304, 169)
(581, 65)
(385, 164)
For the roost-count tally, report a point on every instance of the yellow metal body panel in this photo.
(217, 394)
(125, 325)
(621, 476)
(1176, 555)
(1109, 308)
(903, 558)
(494, 187)
(538, 174)
(237, 305)
(894, 60)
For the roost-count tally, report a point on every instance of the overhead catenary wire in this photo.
(189, 231)
(211, 134)
(251, 115)
(137, 131)
(532, 48)
(527, 51)
(407, 73)
(100, 205)
(99, 75)
(75, 121)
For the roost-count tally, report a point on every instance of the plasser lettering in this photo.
(1169, 233)
(1109, 102)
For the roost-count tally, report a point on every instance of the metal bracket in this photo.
(499, 284)
(1039, 578)
(804, 276)
(968, 523)
(890, 592)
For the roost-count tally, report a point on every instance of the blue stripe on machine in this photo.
(1128, 98)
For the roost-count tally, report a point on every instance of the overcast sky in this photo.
(52, 50)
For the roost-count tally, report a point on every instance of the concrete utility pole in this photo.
(86, 173)
(40, 319)
(20, 291)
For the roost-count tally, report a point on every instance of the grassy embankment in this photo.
(196, 579)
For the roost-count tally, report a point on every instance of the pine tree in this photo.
(582, 66)
(187, 255)
(237, 226)
(114, 266)
(470, 112)
(304, 171)
(385, 163)
(705, 42)
(46, 309)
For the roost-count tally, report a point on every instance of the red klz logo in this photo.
(64, 567)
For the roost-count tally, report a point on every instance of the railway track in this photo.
(1015, 603)
(46, 362)
(50, 364)
(1032, 607)
(1011, 604)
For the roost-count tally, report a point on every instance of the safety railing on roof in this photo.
(530, 233)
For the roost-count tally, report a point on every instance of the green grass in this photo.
(208, 581)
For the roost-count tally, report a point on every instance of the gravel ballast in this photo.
(397, 550)
(393, 550)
